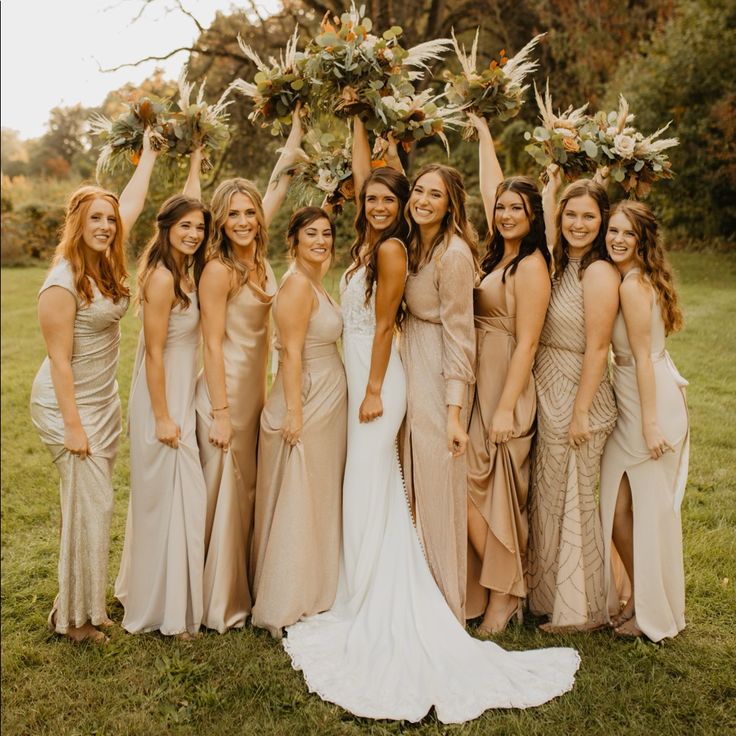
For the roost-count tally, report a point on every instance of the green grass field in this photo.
(242, 682)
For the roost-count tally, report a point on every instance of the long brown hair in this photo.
(158, 250)
(654, 265)
(113, 274)
(398, 185)
(220, 245)
(598, 250)
(455, 221)
(534, 240)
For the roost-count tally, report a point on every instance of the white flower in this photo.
(624, 145)
(327, 181)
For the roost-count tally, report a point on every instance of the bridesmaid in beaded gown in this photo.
(510, 306)
(301, 450)
(236, 292)
(645, 463)
(75, 406)
(438, 352)
(576, 412)
(160, 579)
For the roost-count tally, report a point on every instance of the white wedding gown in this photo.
(390, 647)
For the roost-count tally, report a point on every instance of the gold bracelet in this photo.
(221, 408)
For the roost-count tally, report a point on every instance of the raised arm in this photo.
(57, 309)
(600, 304)
(280, 179)
(133, 197)
(193, 185)
(214, 287)
(296, 301)
(549, 203)
(532, 288)
(389, 291)
(489, 169)
(361, 156)
(636, 305)
(158, 293)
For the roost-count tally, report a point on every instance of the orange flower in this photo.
(135, 158)
(378, 163)
(350, 36)
(493, 64)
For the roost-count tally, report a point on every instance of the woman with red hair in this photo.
(74, 400)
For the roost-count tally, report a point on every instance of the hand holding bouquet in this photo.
(494, 92)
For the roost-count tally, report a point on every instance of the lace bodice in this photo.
(359, 317)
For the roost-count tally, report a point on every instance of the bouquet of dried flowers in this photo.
(410, 117)
(123, 137)
(345, 62)
(633, 160)
(562, 139)
(494, 92)
(276, 87)
(197, 124)
(326, 171)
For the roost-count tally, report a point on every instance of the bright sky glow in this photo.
(51, 50)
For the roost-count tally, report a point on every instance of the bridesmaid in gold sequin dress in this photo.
(510, 306)
(576, 412)
(438, 352)
(301, 451)
(645, 463)
(75, 405)
(235, 294)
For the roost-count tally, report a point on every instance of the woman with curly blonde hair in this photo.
(75, 404)
(644, 467)
(235, 294)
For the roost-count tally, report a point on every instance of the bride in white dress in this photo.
(390, 647)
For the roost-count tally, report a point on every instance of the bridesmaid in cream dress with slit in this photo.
(235, 293)
(510, 306)
(301, 450)
(645, 463)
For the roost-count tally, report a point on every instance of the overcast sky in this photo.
(51, 50)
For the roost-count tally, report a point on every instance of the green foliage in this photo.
(30, 232)
(243, 683)
(686, 75)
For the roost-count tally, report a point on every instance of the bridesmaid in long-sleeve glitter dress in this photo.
(438, 352)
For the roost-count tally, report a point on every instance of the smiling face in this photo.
(381, 206)
(314, 242)
(510, 218)
(241, 225)
(581, 221)
(100, 226)
(621, 242)
(429, 201)
(187, 234)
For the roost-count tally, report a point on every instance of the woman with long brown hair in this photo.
(510, 307)
(235, 295)
(75, 404)
(576, 412)
(438, 352)
(644, 467)
(160, 579)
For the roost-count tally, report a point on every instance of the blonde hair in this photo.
(654, 265)
(220, 246)
(455, 221)
(113, 275)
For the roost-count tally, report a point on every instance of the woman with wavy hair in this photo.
(235, 295)
(510, 307)
(75, 405)
(645, 463)
(576, 412)
(438, 352)
(160, 579)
